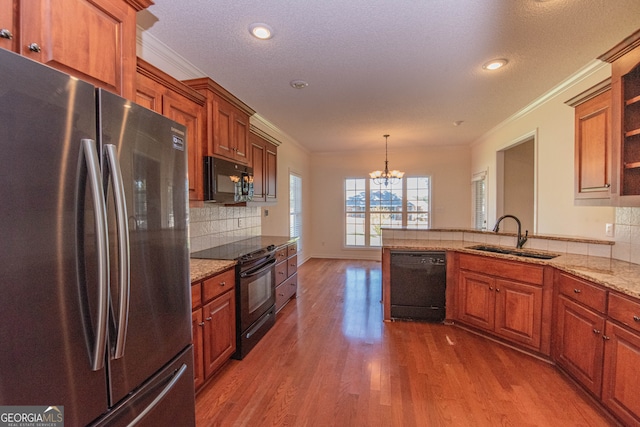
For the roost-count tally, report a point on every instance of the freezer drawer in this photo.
(166, 399)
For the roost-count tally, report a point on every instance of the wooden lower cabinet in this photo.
(219, 331)
(506, 307)
(578, 343)
(286, 274)
(621, 376)
(213, 324)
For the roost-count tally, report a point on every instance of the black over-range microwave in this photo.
(227, 182)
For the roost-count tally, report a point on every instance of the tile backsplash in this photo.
(627, 235)
(214, 225)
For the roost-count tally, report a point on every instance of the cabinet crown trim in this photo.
(207, 83)
(264, 135)
(139, 5)
(590, 93)
(146, 69)
(622, 48)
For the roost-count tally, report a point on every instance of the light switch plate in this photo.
(608, 230)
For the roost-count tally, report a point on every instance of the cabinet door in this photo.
(197, 326)
(190, 114)
(621, 387)
(578, 344)
(8, 28)
(240, 137)
(477, 300)
(94, 40)
(271, 173)
(149, 93)
(258, 152)
(219, 331)
(593, 148)
(519, 312)
(223, 128)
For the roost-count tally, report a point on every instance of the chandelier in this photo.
(386, 176)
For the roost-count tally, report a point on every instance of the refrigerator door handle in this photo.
(90, 155)
(124, 264)
(160, 396)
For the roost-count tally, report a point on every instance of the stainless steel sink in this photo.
(516, 252)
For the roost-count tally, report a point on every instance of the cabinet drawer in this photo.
(281, 272)
(292, 265)
(624, 310)
(583, 292)
(285, 291)
(218, 284)
(292, 249)
(281, 254)
(528, 273)
(196, 295)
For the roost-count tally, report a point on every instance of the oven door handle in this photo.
(258, 270)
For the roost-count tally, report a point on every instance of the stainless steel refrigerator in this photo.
(95, 309)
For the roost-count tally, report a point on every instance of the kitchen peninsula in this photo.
(580, 311)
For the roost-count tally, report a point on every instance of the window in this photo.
(479, 202)
(370, 207)
(295, 207)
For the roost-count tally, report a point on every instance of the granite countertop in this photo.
(614, 274)
(202, 268)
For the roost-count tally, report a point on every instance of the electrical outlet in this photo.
(240, 222)
(608, 230)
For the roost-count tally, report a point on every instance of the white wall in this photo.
(552, 123)
(291, 158)
(451, 191)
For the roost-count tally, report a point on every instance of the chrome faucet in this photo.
(521, 240)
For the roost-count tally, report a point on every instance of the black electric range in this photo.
(250, 247)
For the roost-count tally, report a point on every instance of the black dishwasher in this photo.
(418, 283)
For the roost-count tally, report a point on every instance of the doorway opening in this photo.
(516, 176)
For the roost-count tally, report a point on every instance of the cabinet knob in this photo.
(497, 289)
(34, 47)
(606, 338)
(280, 272)
(223, 283)
(5, 34)
(281, 295)
(490, 288)
(201, 324)
(636, 318)
(576, 291)
(208, 319)
(596, 331)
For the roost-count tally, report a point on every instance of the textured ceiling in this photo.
(409, 68)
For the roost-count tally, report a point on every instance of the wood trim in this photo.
(622, 48)
(590, 93)
(139, 5)
(146, 69)
(264, 135)
(207, 83)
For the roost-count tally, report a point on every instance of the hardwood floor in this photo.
(331, 361)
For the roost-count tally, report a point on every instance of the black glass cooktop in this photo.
(236, 250)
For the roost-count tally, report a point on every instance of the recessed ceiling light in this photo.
(494, 64)
(261, 31)
(298, 84)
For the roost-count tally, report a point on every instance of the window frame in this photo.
(368, 212)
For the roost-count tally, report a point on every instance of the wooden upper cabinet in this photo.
(625, 116)
(227, 124)
(8, 25)
(163, 94)
(593, 145)
(263, 158)
(94, 40)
